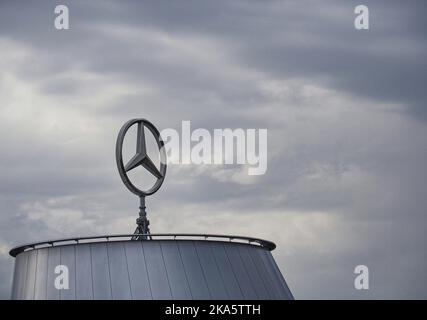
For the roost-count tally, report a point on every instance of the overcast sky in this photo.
(345, 111)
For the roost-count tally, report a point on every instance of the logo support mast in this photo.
(142, 159)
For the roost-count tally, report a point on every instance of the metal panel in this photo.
(41, 274)
(151, 269)
(251, 269)
(271, 273)
(227, 273)
(279, 277)
(120, 282)
(160, 288)
(21, 269)
(30, 279)
(84, 289)
(283, 281)
(100, 271)
(140, 285)
(175, 269)
(14, 294)
(54, 259)
(68, 259)
(210, 270)
(257, 257)
(242, 277)
(193, 269)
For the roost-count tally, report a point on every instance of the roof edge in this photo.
(149, 237)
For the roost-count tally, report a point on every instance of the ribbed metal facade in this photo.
(151, 269)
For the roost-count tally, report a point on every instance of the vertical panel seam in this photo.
(185, 271)
(262, 274)
(24, 280)
(166, 269)
(257, 270)
(47, 271)
(247, 273)
(14, 280)
(60, 262)
(35, 276)
(262, 254)
(109, 273)
(279, 283)
(91, 271)
(75, 273)
(219, 271)
(146, 269)
(26, 276)
(201, 267)
(232, 270)
(127, 268)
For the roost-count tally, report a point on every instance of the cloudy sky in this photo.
(345, 111)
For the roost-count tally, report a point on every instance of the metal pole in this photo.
(142, 221)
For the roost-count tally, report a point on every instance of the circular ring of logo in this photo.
(141, 157)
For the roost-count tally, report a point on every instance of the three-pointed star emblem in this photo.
(141, 157)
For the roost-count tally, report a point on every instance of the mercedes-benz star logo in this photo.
(142, 159)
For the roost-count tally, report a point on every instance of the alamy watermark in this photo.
(361, 282)
(220, 146)
(361, 22)
(62, 20)
(62, 280)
